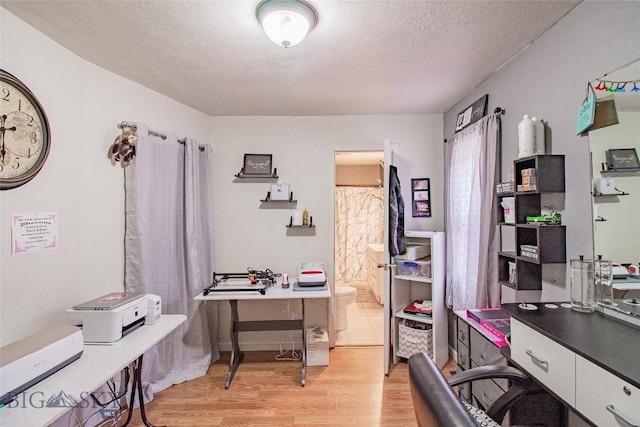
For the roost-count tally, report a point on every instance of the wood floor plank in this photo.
(351, 391)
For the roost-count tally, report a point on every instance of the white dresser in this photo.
(589, 361)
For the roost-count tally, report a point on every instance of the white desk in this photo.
(97, 365)
(275, 292)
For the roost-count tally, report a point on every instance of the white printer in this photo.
(30, 360)
(106, 319)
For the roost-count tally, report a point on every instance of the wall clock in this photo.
(24, 133)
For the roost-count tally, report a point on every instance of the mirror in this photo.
(616, 195)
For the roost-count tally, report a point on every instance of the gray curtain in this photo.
(472, 160)
(169, 251)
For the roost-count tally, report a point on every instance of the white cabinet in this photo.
(375, 278)
(604, 398)
(548, 361)
(422, 279)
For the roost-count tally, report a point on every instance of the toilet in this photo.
(345, 295)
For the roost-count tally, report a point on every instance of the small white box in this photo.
(415, 252)
(317, 347)
(279, 192)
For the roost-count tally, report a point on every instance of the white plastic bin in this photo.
(508, 206)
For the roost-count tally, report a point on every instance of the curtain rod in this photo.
(124, 124)
(498, 110)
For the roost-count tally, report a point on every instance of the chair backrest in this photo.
(434, 401)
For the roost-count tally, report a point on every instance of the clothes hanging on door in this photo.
(396, 214)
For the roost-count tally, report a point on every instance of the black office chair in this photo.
(436, 404)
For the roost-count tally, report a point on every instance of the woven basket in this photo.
(411, 341)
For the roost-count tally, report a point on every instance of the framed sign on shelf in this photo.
(622, 158)
(258, 165)
(472, 113)
(421, 197)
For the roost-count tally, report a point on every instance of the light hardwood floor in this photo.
(351, 391)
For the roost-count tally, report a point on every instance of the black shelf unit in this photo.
(550, 240)
(269, 200)
(618, 171)
(598, 194)
(242, 175)
(310, 225)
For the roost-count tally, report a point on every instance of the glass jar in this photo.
(582, 285)
(603, 280)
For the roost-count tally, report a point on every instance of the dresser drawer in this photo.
(596, 389)
(464, 390)
(483, 351)
(485, 392)
(463, 356)
(463, 331)
(548, 361)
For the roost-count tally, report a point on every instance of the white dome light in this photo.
(286, 22)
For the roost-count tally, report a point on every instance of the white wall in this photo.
(248, 234)
(83, 103)
(548, 80)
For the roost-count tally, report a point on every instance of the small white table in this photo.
(275, 292)
(96, 366)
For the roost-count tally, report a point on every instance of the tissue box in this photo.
(279, 192)
(317, 347)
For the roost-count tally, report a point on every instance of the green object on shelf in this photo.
(544, 219)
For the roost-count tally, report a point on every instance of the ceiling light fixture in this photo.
(286, 22)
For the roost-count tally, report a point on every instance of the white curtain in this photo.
(472, 238)
(359, 220)
(169, 251)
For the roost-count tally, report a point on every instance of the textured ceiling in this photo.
(363, 57)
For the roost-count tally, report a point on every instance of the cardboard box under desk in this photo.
(317, 348)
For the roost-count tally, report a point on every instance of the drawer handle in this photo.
(537, 360)
(626, 390)
(617, 414)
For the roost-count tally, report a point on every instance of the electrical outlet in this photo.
(284, 306)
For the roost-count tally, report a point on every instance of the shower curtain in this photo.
(169, 251)
(359, 220)
(472, 238)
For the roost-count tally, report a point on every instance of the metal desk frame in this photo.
(273, 293)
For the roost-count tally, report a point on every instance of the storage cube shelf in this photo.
(423, 279)
(411, 341)
(549, 241)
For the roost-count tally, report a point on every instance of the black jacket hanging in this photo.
(396, 214)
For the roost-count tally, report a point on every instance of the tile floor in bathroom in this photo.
(366, 323)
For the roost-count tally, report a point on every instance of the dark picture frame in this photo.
(472, 113)
(421, 197)
(258, 165)
(623, 159)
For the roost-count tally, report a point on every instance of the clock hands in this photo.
(3, 151)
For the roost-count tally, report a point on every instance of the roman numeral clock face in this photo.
(24, 133)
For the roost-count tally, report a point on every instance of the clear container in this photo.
(603, 280)
(582, 285)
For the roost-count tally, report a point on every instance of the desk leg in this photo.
(136, 386)
(236, 354)
(304, 347)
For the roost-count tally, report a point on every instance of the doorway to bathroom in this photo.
(359, 234)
